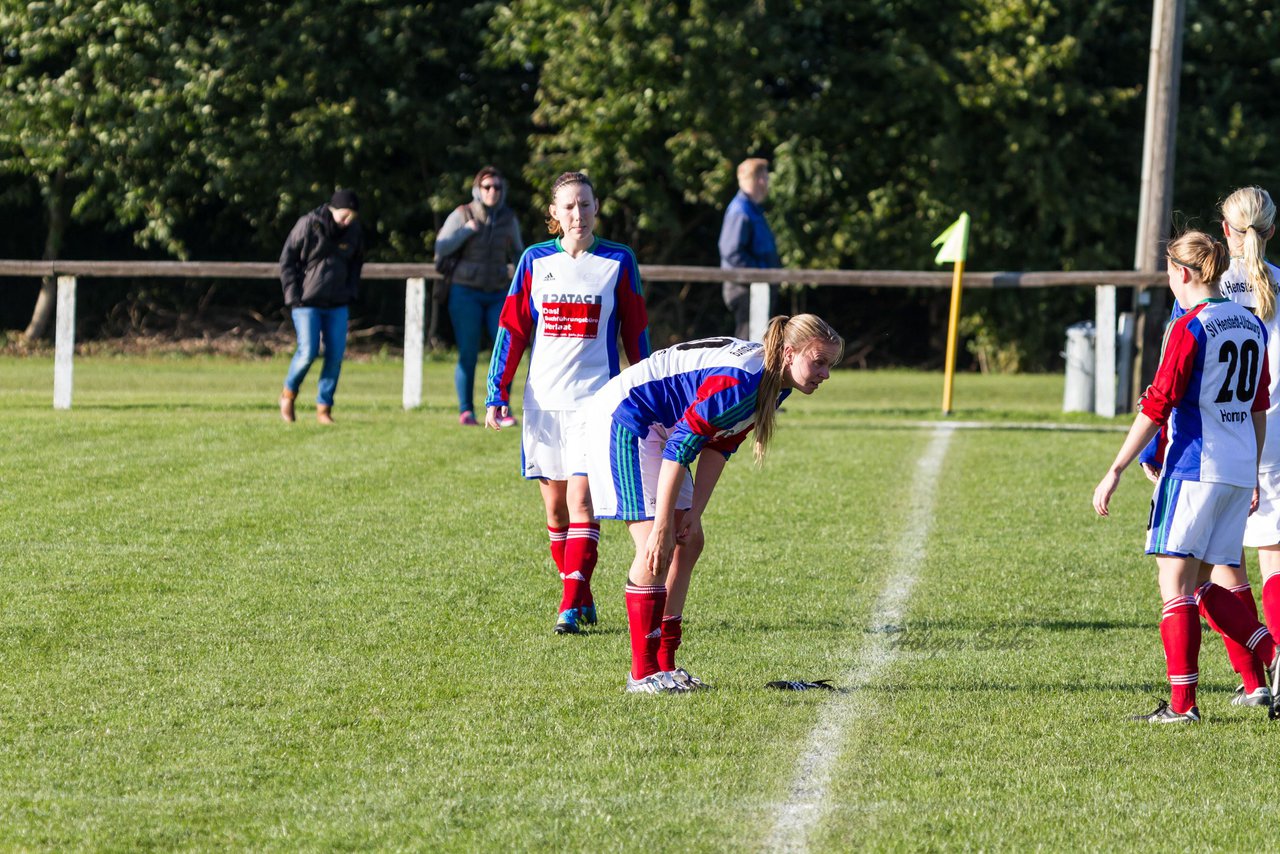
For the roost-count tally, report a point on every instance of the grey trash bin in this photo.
(1078, 395)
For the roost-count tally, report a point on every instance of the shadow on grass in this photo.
(880, 420)
(802, 622)
(1013, 625)
(259, 408)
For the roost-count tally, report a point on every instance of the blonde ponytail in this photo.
(1250, 213)
(799, 332)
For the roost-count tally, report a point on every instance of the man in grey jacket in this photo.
(485, 237)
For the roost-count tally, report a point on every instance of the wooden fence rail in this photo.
(415, 276)
(648, 272)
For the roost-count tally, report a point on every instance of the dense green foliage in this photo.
(202, 130)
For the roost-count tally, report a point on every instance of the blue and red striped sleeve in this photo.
(515, 331)
(721, 402)
(1176, 367)
(632, 312)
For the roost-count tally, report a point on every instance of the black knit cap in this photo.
(345, 199)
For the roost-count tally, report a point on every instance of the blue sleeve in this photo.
(1151, 454)
(722, 401)
(735, 237)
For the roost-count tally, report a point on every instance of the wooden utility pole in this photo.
(1159, 140)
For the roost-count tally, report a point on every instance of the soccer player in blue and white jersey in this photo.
(647, 426)
(571, 301)
(1212, 390)
(1248, 221)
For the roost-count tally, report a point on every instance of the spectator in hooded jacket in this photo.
(320, 271)
(486, 236)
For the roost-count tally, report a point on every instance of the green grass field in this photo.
(222, 632)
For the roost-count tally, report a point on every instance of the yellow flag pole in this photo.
(955, 249)
(953, 332)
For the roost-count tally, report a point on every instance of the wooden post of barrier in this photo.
(64, 342)
(1104, 351)
(415, 304)
(758, 320)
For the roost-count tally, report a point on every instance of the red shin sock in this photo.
(671, 631)
(644, 619)
(1180, 631)
(1228, 615)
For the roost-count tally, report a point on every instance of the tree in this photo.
(216, 124)
(71, 75)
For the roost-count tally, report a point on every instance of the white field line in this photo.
(807, 799)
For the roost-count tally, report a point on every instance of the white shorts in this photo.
(1263, 527)
(1201, 520)
(622, 469)
(552, 445)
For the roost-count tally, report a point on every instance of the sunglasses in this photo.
(491, 186)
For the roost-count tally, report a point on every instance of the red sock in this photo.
(1180, 631)
(1228, 615)
(1243, 660)
(1256, 676)
(580, 554)
(671, 629)
(557, 536)
(644, 617)
(1271, 602)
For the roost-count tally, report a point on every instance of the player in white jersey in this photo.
(1248, 220)
(572, 299)
(1212, 389)
(647, 426)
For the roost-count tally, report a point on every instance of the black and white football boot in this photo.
(1274, 672)
(687, 680)
(1258, 697)
(1165, 715)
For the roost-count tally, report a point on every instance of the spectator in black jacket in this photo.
(320, 270)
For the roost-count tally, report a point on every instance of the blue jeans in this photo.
(472, 312)
(315, 325)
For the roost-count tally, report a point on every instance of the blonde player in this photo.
(647, 426)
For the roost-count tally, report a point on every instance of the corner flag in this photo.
(955, 241)
(955, 249)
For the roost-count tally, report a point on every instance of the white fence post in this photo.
(1104, 352)
(415, 304)
(64, 342)
(759, 317)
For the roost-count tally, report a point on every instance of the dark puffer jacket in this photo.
(320, 264)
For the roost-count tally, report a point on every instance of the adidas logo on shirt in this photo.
(549, 277)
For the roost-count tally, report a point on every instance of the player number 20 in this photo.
(1246, 360)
